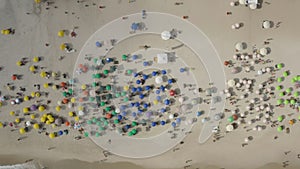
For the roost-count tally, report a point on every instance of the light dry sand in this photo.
(40, 27)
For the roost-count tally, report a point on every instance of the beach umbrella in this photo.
(98, 44)
(19, 63)
(167, 102)
(281, 94)
(17, 120)
(145, 63)
(285, 73)
(164, 72)
(288, 90)
(280, 128)
(134, 57)
(134, 26)
(166, 35)
(52, 135)
(37, 1)
(231, 83)
(124, 57)
(155, 102)
(32, 116)
(43, 74)
(126, 99)
(22, 130)
(279, 66)
(173, 124)
(36, 59)
(229, 127)
(278, 87)
(36, 126)
(57, 108)
(171, 116)
(266, 24)
(25, 110)
(46, 85)
(296, 94)
(158, 80)
(239, 46)
(1, 125)
(13, 77)
(37, 94)
(280, 79)
(32, 68)
(181, 70)
(105, 72)
(230, 119)
(263, 51)
(63, 46)
(138, 82)
(108, 87)
(286, 102)
(12, 113)
(83, 86)
(61, 33)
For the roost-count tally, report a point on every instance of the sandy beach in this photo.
(264, 119)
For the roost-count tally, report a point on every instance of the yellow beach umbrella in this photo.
(63, 46)
(32, 68)
(51, 120)
(45, 115)
(73, 100)
(41, 108)
(80, 108)
(5, 32)
(32, 116)
(36, 59)
(83, 87)
(43, 74)
(43, 119)
(49, 116)
(61, 33)
(17, 120)
(26, 98)
(1, 125)
(71, 114)
(57, 108)
(54, 87)
(48, 122)
(155, 102)
(0, 104)
(36, 126)
(19, 63)
(37, 1)
(37, 94)
(126, 88)
(76, 118)
(12, 113)
(52, 135)
(46, 85)
(32, 94)
(54, 74)
(22, 131)
(53, 126)
(25, 110)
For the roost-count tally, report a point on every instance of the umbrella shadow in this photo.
(269, 49)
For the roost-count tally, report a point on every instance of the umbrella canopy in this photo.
(263, 51)
(165, 35)
(57, 108)
(41, 108)
(239, 46)
(58, 121)
(158, 80)
(124, 57)
(98, 44)
(63, 46)
(61, 33)
(36, 59)
(32, 68)
(19, 63)
(229, 127)
(231, 83)
(134, 26)
(52, 135)
(22, 130)
(43, 74)
(266, 24)
(36, 126)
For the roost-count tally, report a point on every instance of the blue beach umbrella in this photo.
(98, 44)
(162, 123)
(163, 72)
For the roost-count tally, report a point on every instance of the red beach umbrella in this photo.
(172, 92)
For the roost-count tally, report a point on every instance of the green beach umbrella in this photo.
(126, 99)
(279, 101)
(124, 57)
(134, 123)
(108, 87)
(105, 72)
(117, 95)
(230, 119)
(102, 119)
(116, 121)
(105, 123)
(86, 134)
(286, 102)
(296, 94)
(98, 76)
(94, 84)
(129, 71)
(95, 60)
(70, 91)
(97, 134)
(114, 113)
(64, 94)
(123, 93)
(280, 79)
(94, 119)
(93, 76)
(298, 78)
(281, 94)
(130, 134)
(279, 66)
(288, 90)
(91, 99)
(101, 128)
(107, 108)
(89, 122)
(280, 118)
(133, 131)
(280, 128)
(278, 87)
(293, 80)
(98, 123)
(293, 102)
(285, 74)
(102, 104)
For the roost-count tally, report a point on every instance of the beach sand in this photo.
(40, 26)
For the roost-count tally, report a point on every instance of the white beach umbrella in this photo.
(242, 114)
(165, 35)
(242, 96)
(242, 56)
(250, 122)
(257, 92)
(247, 69)
(228, 95)
(229, 127)
(252, 62)
(248, 107)
(28, 123)
(257, 109)
(259, 72)
(247, 57)
(260, 86)
(118, 110)
(266, 24)
(180, 99)
(158, 80)
(259, 128)
(258, 55)
(239, 46)
(246, 140)
(171, 116)
(226, 90)
(245, 81)
(267, 115)
(253, 6)
(235, 57)
(238, 85)
(263, 51)
(252, 101)
(263, 70)
(268, 108)
(232, 3)
(233, 26)
(237, 25)
(230, 83)
(264, 120)
(249, 81)
(242, 2)
(81, 113)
